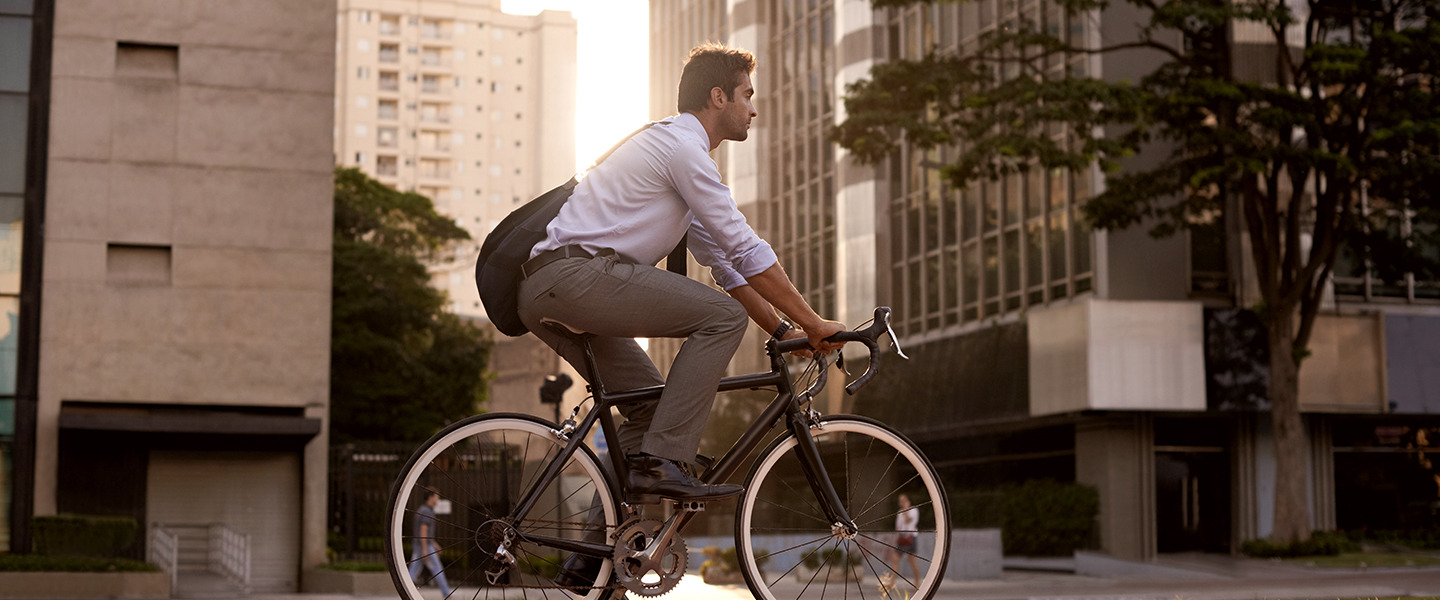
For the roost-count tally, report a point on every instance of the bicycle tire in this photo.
(482, 465)
(780, 527)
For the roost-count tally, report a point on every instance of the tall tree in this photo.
(401, 367)
(1313, 122)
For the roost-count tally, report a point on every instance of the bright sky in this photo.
(613, 65)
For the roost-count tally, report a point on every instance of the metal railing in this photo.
(226, 551)
(230, 554)
(164, 550)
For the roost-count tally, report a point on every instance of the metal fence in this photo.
(360, 478)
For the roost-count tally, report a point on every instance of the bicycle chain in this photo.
(583, 526)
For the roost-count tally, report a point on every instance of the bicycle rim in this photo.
(788, 549)
(482, 466)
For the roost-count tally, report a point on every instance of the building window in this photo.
(389, 53)
(362, 16)
(389, 81)
(387, 109)
(386, 137)
(362, 73)
(386, 165)
(389, 25)
(998, 247)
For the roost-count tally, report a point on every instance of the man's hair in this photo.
(710, 66)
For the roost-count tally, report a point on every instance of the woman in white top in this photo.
(907, 523)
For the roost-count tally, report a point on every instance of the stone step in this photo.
(204, 584)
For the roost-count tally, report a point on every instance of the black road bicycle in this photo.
(818, 517)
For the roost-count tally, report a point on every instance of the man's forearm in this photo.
(760, 311)
(774, 288)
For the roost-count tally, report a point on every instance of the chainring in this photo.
(648, 577)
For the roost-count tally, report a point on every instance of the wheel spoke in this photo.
(869, 466)
(486, 463)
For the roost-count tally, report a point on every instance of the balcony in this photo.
(388, 111)
(387, 166)
(430, 30)
(389, 26)
(389, 54)
(389, 84)
(434, 59)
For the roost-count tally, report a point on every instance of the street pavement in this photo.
(1182, 577)
(1208, 577)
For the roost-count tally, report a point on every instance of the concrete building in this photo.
(460, 102)
(1041, 348)
(166, 183)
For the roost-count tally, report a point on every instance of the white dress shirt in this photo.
(657, 187)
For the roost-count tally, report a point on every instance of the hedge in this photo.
(95, 536)
(1321, 543)
(72, 564)
(1036, 518)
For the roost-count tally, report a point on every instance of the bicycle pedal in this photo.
(693, 506)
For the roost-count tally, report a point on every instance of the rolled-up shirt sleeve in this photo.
(706, 253)
(719, 226)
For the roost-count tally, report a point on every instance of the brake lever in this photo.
(840, 362)
(894, 341)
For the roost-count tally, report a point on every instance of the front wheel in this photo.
(477, 470)
(788, 550)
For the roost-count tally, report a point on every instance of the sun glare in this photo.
(613, 66)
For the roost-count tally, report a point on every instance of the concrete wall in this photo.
(1345, 371)
(1116, 456)
(1096, 354)
(188, 233)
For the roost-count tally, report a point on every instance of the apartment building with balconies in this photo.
(460, 102)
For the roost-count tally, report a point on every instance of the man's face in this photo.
(739, 111)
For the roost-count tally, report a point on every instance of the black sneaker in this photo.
(653, 477)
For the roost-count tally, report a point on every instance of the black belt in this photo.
(549, 256)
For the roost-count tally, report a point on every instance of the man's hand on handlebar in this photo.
(818, 334)
(793, 334)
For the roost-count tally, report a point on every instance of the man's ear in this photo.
(717, 97)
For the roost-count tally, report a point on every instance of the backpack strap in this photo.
(675, 261)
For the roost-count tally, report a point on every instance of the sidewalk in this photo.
(1175, 577)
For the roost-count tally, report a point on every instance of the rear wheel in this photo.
(481, 467)
(788, 549)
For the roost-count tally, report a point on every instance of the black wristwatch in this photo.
(780, 331)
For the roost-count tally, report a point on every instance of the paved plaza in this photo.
(1174, 577)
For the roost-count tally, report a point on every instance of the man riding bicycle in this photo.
(594, 273)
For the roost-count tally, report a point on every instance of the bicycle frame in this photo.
(783, 406)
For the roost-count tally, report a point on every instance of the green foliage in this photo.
(72, 564)
(1353, 105)
(1037, 518)
(1420, 538)
(401, 367)
(1046, 518)
(1326, 148)
(832, 557)
(355, 566)
(983, 509)
(1321, 543)
(95, 536)
(727, 560)
(542, 567)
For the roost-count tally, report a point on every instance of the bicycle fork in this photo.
(808, 452)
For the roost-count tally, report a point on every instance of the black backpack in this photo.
(497, 272)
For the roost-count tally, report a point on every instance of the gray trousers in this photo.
(619, 302)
